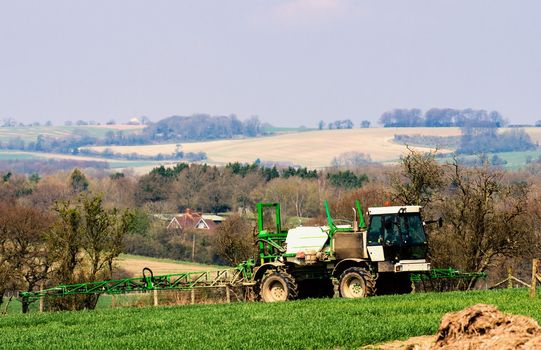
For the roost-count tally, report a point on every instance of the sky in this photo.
(290, 62)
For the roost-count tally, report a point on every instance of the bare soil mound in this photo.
(483, 327)
(480, 327)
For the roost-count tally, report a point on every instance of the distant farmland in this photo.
(314, 149)
(30, 133)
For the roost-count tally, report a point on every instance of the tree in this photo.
(84, 241)
(351, 160)
(234, 240)
(24, 258)
(79, 183)
(347, 179)
(321, 125)
(402, 118)
(365, 124)
(418, 178)
(296, 196)
(485, 220)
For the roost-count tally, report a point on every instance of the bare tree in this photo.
(418, 179)
(24, 258)
(485, 219)
(234, 240)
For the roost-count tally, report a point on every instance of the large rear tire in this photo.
(277, 285)
(356, 282)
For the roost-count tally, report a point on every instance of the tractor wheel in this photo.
(356, 282)
(277, 285)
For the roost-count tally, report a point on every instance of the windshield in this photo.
(392, 229)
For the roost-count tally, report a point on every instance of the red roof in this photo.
(191, 219)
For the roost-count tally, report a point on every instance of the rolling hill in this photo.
(314, 149)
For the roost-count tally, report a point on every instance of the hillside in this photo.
(132, 265)
(312, 323)
(314, 149)
(30, 133)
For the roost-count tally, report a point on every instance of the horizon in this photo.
(291, 63)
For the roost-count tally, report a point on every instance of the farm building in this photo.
(192, 219)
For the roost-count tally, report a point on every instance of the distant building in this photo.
(134, 121)
(191, 219)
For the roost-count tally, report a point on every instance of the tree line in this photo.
(68, 227)
(198, 127)
(474, 140)
(442, 117)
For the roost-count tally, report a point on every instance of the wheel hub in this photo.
(356, 288)
(277, 291)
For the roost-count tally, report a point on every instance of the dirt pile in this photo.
(480, 327)
(483, 327)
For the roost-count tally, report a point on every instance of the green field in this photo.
(8, 155)
(113, 164)
(306, 324)
(515, 160)
(30, 133)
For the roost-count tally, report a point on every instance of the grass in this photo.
(515, 160)
(7, 155)
(284, 130)
(113, 164)
(306, 324)
(30, 133)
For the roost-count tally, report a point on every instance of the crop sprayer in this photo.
(344, 258)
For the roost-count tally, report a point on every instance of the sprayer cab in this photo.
(399, 230)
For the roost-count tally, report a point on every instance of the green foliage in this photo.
(347, 179)
(242, 169)
(303, 173)
(79, 182)
(169, 172)
(84, 242)
(270, 173)
(307, 324)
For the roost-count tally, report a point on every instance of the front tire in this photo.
(277, 285)
(356, 282)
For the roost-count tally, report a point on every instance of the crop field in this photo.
(314, 149)
(133, 265)
(515, 160)
(305, 324)
(30, 133)
(8, 155)
(139, 166)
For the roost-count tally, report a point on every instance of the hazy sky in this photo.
(289, 62)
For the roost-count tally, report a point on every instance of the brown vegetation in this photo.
(491, 218)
